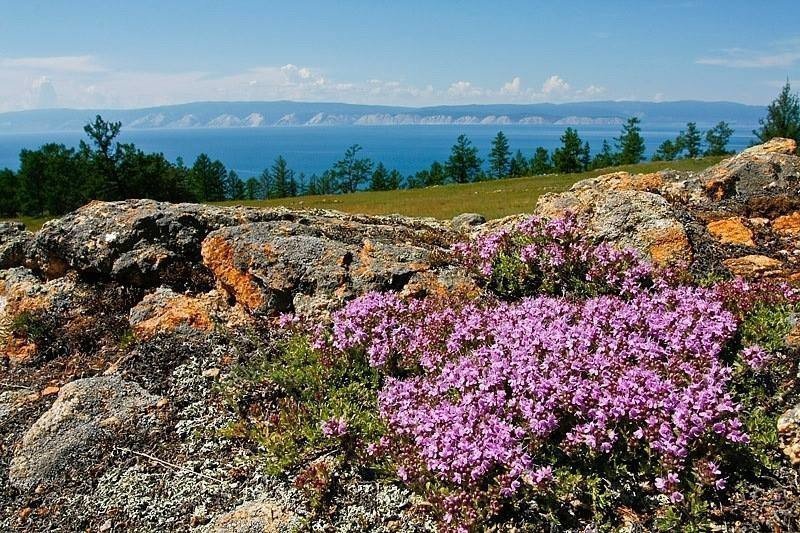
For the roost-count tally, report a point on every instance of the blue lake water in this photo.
(314, 149)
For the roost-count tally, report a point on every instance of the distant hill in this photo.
(287, 113)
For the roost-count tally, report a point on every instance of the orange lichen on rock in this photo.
(731, 231)
(669, 246)
(166, 311)
(218, 256)
(19, 351)
(787, 225)
(751, 266)
(625, 181)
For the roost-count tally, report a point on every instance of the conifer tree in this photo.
(783, 117)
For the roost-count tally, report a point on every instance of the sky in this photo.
(115, 54)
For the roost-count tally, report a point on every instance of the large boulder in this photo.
(134, 241)
(313, 268)
(87, 414)
(766, 170)
(623, 216)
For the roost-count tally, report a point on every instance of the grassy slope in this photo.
(493, 199)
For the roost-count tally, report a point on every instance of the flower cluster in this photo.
(586, 351)
(541, 256)
(503, 381)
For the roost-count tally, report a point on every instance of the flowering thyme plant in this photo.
(576, 351)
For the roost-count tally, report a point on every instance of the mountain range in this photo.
(288, 113)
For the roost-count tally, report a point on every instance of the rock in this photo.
(165, 310)
(753, 266)
(49, 391)
(21, 292)
(259, 516)
(777, 145)
(14, 243)
(289, 266)
(134, 241)
(211, 373)
(10, 401)
(789, 434)
(767, 169)
(787, 225)
(625, 218)
(75, 427)
(731, 231)
(467, 221)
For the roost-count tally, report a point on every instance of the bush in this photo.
(314, 403)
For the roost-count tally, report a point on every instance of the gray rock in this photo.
(14, 243)
(86, 413)
(624, 218)
(283, 266)
(134, 241)
(467, 221)
(771, 170)
(11, 401)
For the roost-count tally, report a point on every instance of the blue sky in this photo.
(140, 53)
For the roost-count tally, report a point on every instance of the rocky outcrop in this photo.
(289, 266)
(86, 413)
(616, 209)
(741, 215)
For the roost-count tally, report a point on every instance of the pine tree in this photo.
(351, 171)
(630, 143)
(606, 158)
(265, 184)
(569, 157)
(668, 150)
(717, 139)
(436, 175)
(252, 189)
(690, 140)
(394, 181)
(207, 179)
(234, 186)
(8, 193)
(540, 162)
(783, 117)
(499, 157)
(518, 166)
(463, 164)
(282, 177)
(380, 175)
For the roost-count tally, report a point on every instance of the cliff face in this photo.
(119, 319)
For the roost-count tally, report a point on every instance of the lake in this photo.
(315, 149)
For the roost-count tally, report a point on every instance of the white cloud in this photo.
(513, 87)
(782, 54)
(555, 85)
(75, 64)
(462, 89)
(43, 93)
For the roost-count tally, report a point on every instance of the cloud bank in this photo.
(83, 81)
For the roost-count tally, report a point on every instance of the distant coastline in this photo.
(220, 115)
